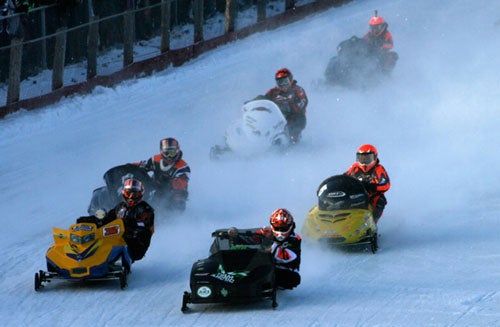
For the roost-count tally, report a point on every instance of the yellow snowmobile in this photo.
(87, 252)
(343, 215)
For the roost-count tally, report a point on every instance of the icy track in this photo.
(435, 124)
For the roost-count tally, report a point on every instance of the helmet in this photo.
(170, 150)
(284, 77)
(366, 157)
(377, 25)
(282, 224)
(132, 191)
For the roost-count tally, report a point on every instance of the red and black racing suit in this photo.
(383, 44)
(376, 182)
(139, 226)
(171, 181)
(286, 255)
(292, 103)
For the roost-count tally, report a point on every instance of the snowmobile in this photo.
(356, 64)
(86, 252)
(108, 196)
(343, 215)
(261, 128)
(239, 269)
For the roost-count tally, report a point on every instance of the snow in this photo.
(435, 123)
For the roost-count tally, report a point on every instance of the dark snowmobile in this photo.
(107, 197)
(357, 64)
(240, 269)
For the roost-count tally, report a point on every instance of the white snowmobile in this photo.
(261, 128)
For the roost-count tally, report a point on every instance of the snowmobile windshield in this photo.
(342, 192)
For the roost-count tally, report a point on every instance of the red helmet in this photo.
(284, 77)
(282, 224)
(132, 191)
(366, 157)
(170, 150)
(377, 25)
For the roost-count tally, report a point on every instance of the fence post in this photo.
(231, 12)
(165, 25)
(16, 59)
(92, 44)
(44, 41)
(59, 59)
(198, 20)
(261, 10)
(128, 38)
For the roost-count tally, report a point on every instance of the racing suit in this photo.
(292, 103)
(383, 44)
(139, 226)
(172, 180)
(376, 182)
(286, 255)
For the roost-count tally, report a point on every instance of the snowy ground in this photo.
(435, 124)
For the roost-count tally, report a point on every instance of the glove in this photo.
(282, 99)
(100, 213)
(370, 187)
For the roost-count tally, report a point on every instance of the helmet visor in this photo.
(281, 229)
(169, 153)
(129, 194)
(283, 81)
(365, 158)
(377, 29)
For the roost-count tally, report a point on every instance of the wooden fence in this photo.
(131, 68)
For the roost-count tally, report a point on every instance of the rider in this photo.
(381, 39)
(170, 172)
(292, 101)
(285, 248)
(137, 215)
(373, 175)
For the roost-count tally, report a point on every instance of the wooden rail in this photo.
(132, 69)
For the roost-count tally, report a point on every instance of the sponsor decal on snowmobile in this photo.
(204, 291)
(224, 277)
(337, 194)
(230, 276)
(111, 230)
(87, 228)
